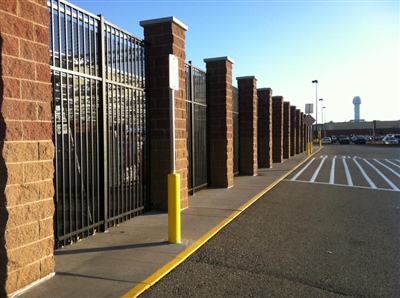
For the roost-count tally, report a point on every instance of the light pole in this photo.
(316, 106)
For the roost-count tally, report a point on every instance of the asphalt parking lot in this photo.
(305, 238)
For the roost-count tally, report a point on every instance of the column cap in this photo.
(246, 77)
(264, 89)
(164, 20)
(219, 59)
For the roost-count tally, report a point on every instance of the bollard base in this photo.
(174, 208)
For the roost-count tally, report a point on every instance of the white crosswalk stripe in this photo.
(352, 171)
(372, 184)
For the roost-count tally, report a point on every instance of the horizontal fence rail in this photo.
(99, 122)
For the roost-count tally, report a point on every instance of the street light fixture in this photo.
(316, 106)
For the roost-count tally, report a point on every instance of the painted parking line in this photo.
(367, 167)
(396, 165)
(317, 170)
(382, 175)
(389, 168)
(372, 184)
(332, 174)
(348, 175)
(303, 169)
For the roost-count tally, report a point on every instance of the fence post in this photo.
(219, 85)
(277, 128)
(26, 147)
(248, 106)
(264, 127)
(165, 36)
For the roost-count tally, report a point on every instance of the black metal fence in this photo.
(235, 116)
(99, 118)
(196, 110)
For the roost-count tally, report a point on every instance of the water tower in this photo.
(356, 103)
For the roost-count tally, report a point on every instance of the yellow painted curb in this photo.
(156, 276)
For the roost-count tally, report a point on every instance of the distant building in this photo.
(375, 127)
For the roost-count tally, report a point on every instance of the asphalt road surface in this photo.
(330, 229)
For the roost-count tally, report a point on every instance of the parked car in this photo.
(343, 139)
(326, 140)
(359, 140)
(390, 140)
(396, 136)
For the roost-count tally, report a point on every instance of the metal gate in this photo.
(235, 116)
(99, 120)
(196, 110)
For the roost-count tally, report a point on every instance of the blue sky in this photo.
(350, 47)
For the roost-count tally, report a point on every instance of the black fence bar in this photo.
(196, 110)
(99, 122)
(235, 116)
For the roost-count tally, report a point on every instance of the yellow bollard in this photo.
(174, 208)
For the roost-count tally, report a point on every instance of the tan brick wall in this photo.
(248, 118)
(166, 36)
(27, 152)
(299, 148)
(264, 127)
(304, 132)
(292, 130)
(219, 84)
(286, 130)
(277, 129)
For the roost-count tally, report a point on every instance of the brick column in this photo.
(298, 132)
(219, 84)
(304, 132)
(248, 125)
(264, 127)
(277, 128)
(26, 147)
(286, 130)
(293, 136)
(165, 36)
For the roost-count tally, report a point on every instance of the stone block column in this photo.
(293, 136)
(277, 128)
(26, 146)
(248, 125)
(286, 130)
(166, 36)
(298, 132)
(264, 127)
(304, 132)
(219, 84)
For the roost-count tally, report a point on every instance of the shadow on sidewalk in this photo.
(110, 248)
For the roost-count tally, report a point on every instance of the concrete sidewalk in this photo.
(131, 257)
